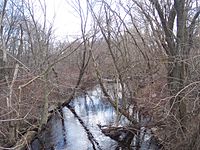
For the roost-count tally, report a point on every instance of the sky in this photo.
(66, 23)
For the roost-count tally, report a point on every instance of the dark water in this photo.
(69, 133)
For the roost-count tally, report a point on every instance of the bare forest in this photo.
(149, 48)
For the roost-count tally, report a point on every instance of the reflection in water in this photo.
(70, 134)
(75, 134)
(92, 110)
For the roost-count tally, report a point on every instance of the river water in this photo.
(70, 133)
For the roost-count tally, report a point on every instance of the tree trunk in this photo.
(3, 57)
(46, 103)
(2, 66)
(176, 79)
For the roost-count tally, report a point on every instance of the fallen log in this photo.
(123, 135)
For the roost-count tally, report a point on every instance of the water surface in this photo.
(69, 133)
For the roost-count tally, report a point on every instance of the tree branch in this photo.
(171, 18)
(169, 38)
(192, 27)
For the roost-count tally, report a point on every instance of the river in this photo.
(83, 133)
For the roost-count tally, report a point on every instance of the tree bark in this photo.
(46, 103)
(3, 57)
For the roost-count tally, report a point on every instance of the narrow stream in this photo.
(70, 134)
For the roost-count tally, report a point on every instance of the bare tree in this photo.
(172, 25)
(3, 56)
